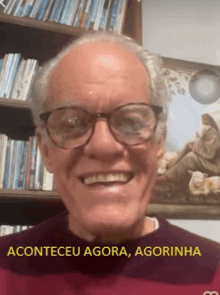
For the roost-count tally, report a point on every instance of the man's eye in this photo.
(130, 123)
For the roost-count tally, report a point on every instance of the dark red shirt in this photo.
(167, 261)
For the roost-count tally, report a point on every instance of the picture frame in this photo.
(193, 92)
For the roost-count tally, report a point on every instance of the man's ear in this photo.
(43, 143)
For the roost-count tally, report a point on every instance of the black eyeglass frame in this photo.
(94, 116)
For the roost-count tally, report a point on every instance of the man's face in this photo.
(99, 77)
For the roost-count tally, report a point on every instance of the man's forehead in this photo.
(101, 65)
(114, 56)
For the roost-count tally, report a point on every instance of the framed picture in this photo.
(188, 183)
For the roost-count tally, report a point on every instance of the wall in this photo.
(209, 229)
(187, 30)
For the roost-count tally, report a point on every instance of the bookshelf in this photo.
(39, 40)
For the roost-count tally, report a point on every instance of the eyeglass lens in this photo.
(72, 127)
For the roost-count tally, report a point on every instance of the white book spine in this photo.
(3, 159)
(48, 10)
(30, 78)
(37, 171)
(47, 180)
(73, 12)
(98, 16)
(9, 6)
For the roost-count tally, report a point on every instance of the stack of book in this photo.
(21, 165)
(11, 229)
(16, 76)
(103, 15)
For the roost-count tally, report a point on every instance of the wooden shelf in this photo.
(14, 103)
(28, 207)
(29, 194)
(44, 25)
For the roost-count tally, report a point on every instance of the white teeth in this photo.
(122, 177)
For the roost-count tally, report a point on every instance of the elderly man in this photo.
(99, 108)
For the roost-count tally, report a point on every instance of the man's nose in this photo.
(102, 144)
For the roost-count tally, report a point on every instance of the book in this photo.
(58, 10)
(13, 164)
(12, 10)
(47, 180)
(79, 13)
(9, 7)
(48, 10)
(73, 9)
(103, 19)
(18, 8)
(33, 163)
(23, 166)
(29, 162)
(3, 69)
(120, 16)
(30, 75)
(51, 17)
(3, 5)
(13, 71)
(18, 164)
(1, 64)
(85, 13)
(3, 149)
(6, 74)
(114, 12)
(98, 15)
(42, 9)
(38, 171)
(28, 7)
(84, 23)
(17, 81)
(65, 12)
(93, 14)
(8, 164)
(10, 72)
(35, 8)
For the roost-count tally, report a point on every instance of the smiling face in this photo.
(99, 77)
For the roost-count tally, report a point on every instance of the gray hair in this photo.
(151, 62)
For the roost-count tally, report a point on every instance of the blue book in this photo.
(35, 9)
(6, 73)
(19, 7)
(114, 12)
(53, 10)
(17, 60)
(73, 10)
(7, 162)
(89, 14)
(13, 163)
(1, 64)
(15, 6)
(26, 147)
(42, 10)
(57, 11)
(3, 4)
(66, 12)
(93, 14)
(104, 15)
(18, 162)
(28, 7)
(22, 166)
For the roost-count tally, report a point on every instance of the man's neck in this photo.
(146, 226)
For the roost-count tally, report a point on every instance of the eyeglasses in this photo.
(72, 127)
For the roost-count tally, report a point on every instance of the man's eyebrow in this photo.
(66, 103)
